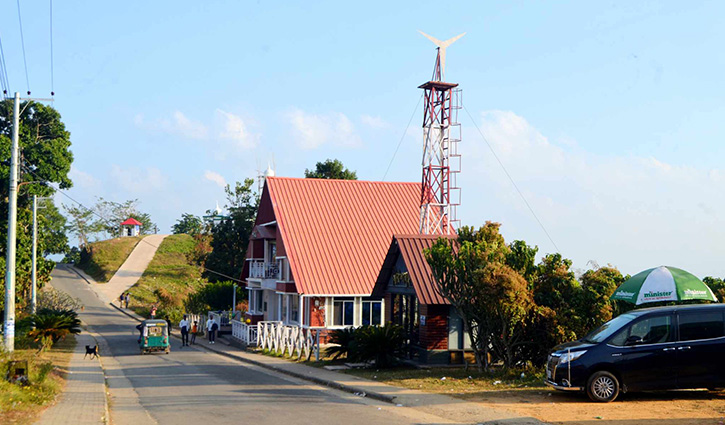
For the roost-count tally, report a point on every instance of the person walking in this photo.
(211, 328)
(194, 330)
(153, 311)
(120, 299)
(184, 328)
(126, 299)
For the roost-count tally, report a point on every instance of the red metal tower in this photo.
(440, 194)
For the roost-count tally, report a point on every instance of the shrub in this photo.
(213, 296)
(52, 299)
(383, 344)
(345, 343)
(51, 326)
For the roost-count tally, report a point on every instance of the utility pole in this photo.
(34, 268)
(234, 300)
(9, 319)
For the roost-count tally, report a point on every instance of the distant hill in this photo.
(102, 259)
(168, 279)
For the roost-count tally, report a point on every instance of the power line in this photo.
(4, 72)
(22, 42)
(52, 76)
(511, 179)
(402, 137)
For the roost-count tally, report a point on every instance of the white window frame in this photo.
(371, 302)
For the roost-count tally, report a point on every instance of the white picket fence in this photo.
(244, 332)
(280, 338)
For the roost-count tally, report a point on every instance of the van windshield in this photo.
(603, 332)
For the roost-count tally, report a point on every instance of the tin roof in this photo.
(131, 222)
(411, 247)
(336, 232)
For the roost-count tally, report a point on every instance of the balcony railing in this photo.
(264, 270)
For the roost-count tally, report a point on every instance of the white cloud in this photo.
(374, 122)
(82, 179)
(136, 180)
(633, 212)
(235, 130)
(177, 124)
(314, 130)
(215, 178)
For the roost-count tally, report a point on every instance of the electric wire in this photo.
(62, 192)
(22, 42)
(4, 71)
(52, 76)
(402, 137)
(511, 179)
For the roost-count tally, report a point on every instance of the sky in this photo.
(606, 115)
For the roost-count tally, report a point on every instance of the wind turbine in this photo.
(442, 45)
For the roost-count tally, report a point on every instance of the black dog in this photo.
(93, 351)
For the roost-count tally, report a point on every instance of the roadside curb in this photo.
(107, 413)
(313, 379)
(79, 273)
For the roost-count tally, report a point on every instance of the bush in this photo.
(381, 344)
(50, 326)
(213, 296)
(344, 340)
(52, 299)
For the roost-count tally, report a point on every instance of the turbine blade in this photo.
(451, 40)
(433, 39)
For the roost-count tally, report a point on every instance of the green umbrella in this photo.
(663, 283)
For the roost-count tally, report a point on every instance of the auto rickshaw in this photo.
(154, 336)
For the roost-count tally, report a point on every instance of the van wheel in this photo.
(602, 387)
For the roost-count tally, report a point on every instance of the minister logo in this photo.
(624, 294)
(694, 292)
(658, 294)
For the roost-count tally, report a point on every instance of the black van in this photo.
(656, 348)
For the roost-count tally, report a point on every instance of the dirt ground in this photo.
(670, 407)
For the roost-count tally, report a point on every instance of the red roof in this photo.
(336, 232)
(131, 222)
(410, 248)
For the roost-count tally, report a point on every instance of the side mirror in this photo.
(633, 340)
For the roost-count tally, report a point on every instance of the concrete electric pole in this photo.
(9, 319)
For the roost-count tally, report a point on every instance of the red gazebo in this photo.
(131, 227)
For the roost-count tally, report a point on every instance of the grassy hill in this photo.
(106, 257)
(168, 279)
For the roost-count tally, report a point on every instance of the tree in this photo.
(45, 158)
(717, 286)
(189, 224)
(493, 300)
(230, 237)
(82, 223)
(111, 214)
(331, 169)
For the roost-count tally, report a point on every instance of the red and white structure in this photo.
(440, 194)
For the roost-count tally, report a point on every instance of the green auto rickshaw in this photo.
(154, 336)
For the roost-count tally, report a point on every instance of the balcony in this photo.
(264, 270)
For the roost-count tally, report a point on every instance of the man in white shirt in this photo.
(184, 326)
(211, 328)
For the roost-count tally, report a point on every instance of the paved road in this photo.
(196, 386)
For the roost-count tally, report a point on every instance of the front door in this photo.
(647, 353)
(701, 350)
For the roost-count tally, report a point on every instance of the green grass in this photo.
(168, 279)
(23, 404)
(107, 257)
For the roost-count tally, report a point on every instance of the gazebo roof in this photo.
(131, 222)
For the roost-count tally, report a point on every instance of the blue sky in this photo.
(607, 116)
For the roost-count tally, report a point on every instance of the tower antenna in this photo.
(440, 194)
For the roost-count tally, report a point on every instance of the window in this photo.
(705, 325)
(294, 308)
(342, 312)
(255, 305)
(371, 312)
(653, 330)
